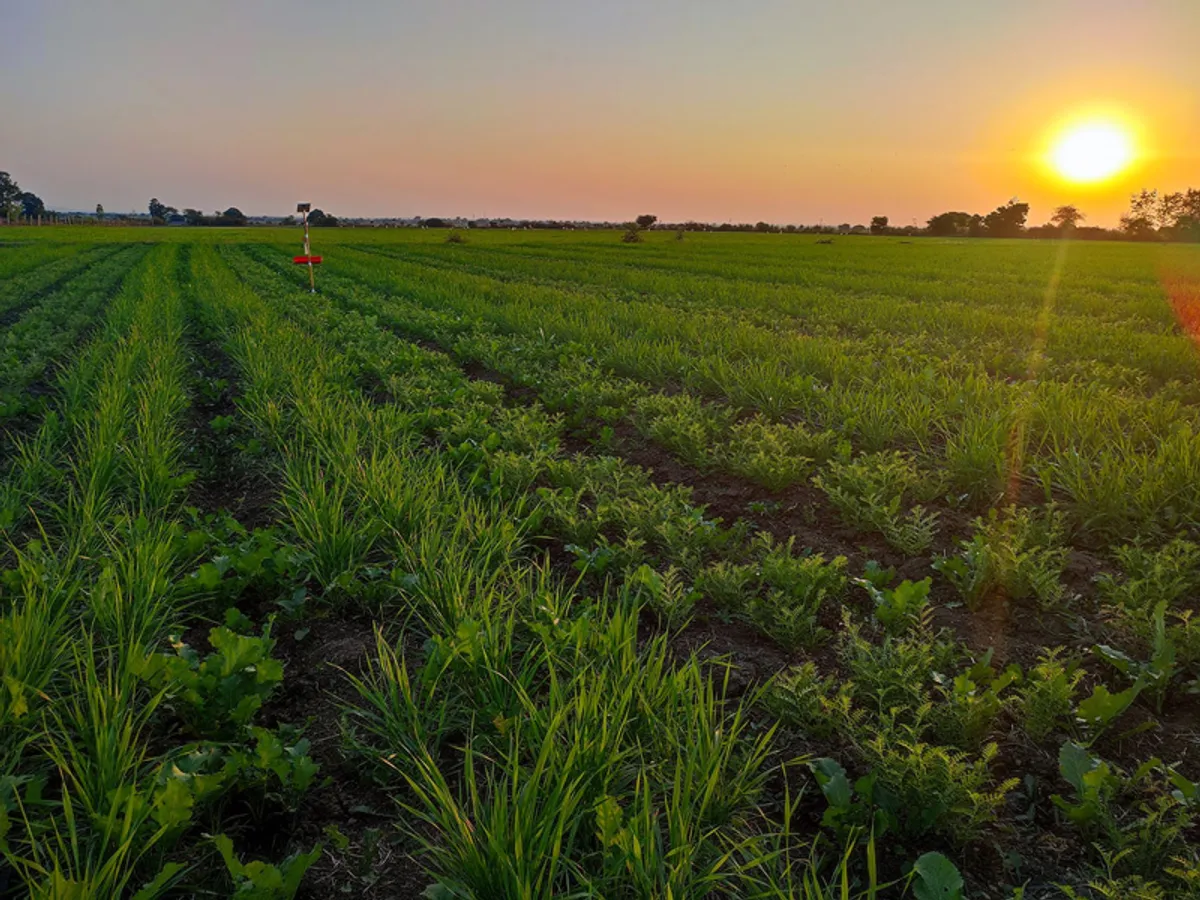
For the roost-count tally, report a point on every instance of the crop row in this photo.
(1119, 466)
(1089, 334)
(118, 742)
(888, 705)
(23, 288)
(44, 333)
(24, 258)
(1015, 556)
(585, 760)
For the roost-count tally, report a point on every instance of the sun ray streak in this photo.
(993, 614)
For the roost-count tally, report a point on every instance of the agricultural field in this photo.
(538, 564)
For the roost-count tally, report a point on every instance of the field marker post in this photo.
(307, 259)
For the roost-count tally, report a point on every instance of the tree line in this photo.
(1172, 217)
(15, 203)
(161, 214)
(1151, 217)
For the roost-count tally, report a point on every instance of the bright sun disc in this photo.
(1092, 152)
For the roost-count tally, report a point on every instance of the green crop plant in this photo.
(1098, 711)
(1149, 577)
(222, 691)
(1139, 820)
(935, 789)
(972, 701)
(1013, 555)
(257, 880)
(976, 455)
(793, 590)
(664, 592)
(900, 608)
(870, 493)
(1156, 672)
(800, 697)
(897, 673)
(1047, 695)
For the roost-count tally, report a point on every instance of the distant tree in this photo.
(950, 223)
(1146, 205)
(10, 191)
(427, 223)
(1179, 215)
(646, 221)
(232, 216)
(193, 216)
(1007, 220)
(99, 212)
(10, 196)
(1141, 222)
(879, 224)
(1170, 209)
(319, 219)
(633, 234)
(1067, 217)
(32, 205)
(160, 211)
(1138, 228)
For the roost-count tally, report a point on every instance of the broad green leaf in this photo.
(1074, 762)
(936, 879)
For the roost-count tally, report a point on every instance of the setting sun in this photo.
(1092, 151)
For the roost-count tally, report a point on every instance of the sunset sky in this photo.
(706, 109)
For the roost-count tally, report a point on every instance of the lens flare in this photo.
(1092, 151)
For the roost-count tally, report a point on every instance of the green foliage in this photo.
(1103, 707)
(972, 701)
(934, 789)
(258, 880)
(936, 879)
(870, 493)
(1047, 696)
(1138, 823)
(217, 695)
(853, 808)
(1157, 640)
(900, 608)
(1153, 675)
(817, 706)
(1013, 555)
(1094, 782)
(897, 672)
(411, 425)
(1151, 577)
(795, 590)
(664, 593)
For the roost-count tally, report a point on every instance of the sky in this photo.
(778, 110)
